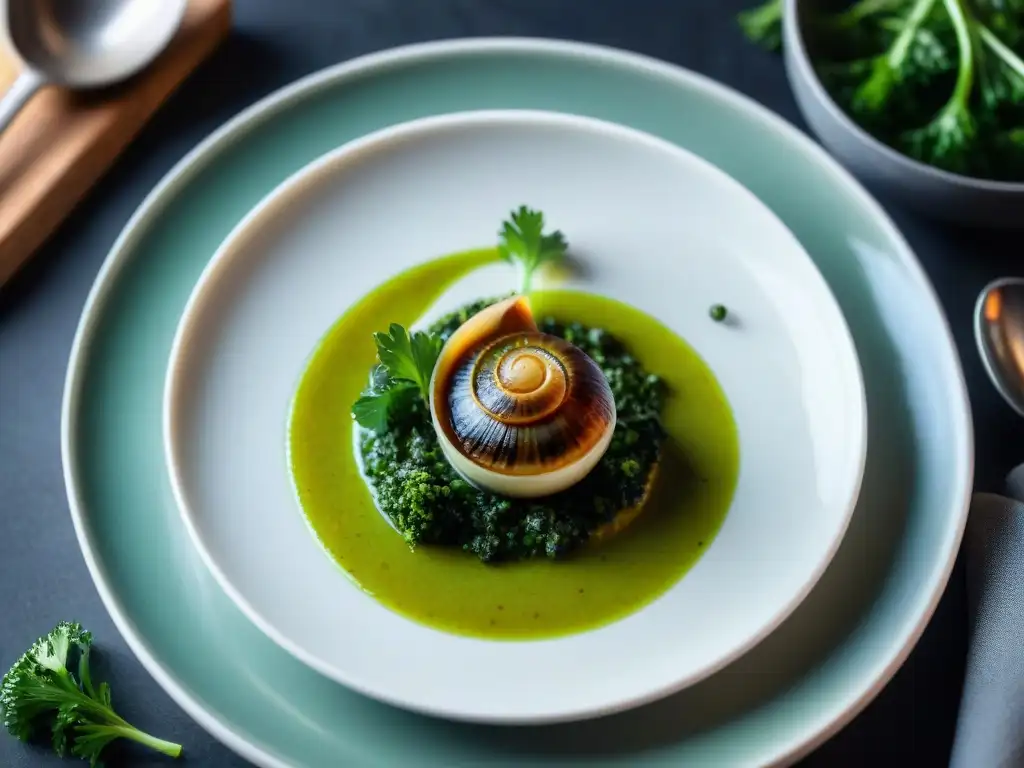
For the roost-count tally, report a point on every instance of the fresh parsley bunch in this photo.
(941, 81)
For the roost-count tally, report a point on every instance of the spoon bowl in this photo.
(999, 332)
(82, 44)
(91, 43)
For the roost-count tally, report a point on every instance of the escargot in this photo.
(517, 411)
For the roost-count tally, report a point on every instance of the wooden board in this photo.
(61, 143)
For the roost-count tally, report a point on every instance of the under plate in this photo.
(792, 691)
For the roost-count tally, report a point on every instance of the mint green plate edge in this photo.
(916, 607)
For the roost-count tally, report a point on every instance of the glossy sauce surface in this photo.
(452, 590)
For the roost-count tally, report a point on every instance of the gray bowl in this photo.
(940, 194)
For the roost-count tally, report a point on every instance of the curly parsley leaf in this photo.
(522, 241)
(763, 24)
(40, 693)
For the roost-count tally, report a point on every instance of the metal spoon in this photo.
(82, 43)
(999, 331)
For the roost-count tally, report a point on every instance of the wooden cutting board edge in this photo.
(35, 197)
(8, 67)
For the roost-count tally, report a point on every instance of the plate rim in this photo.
(380, 61)
(337, 161)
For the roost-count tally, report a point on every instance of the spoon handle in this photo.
(21, 91)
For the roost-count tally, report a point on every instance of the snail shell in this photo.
(519, 412)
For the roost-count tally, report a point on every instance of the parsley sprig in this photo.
(406, 364)
(522, 241)
(408, 357)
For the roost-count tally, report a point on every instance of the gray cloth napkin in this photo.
(990, 728)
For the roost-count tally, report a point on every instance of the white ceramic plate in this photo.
(660, 229)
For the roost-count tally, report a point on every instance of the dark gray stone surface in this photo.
(42, 575)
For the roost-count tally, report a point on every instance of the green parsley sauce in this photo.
(540, 598)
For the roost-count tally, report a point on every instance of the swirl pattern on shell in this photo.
(528, 403)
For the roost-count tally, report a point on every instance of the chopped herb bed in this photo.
(429, 503)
